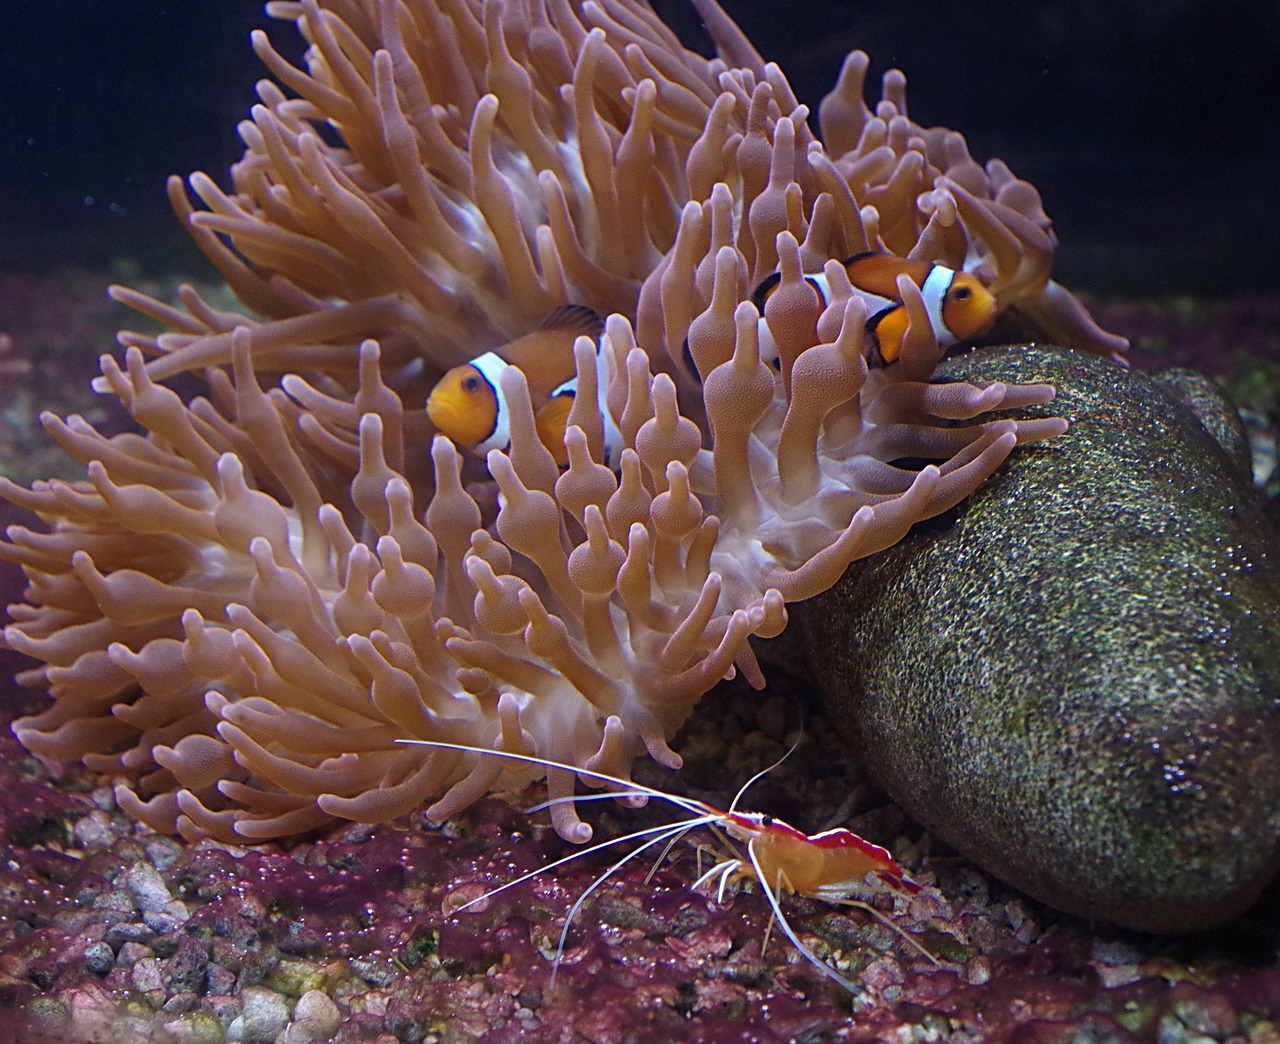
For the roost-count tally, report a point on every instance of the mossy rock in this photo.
(1074, 677)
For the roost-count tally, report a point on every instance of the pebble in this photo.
(147, 887)
(161, 922)
(94, 1012)
(978, 970)
(93, 829)
(178, 910)
(128, 932)
(198, 1028)
(130, 953)
(99, 958)
(263, 1016)
(219, 980)
(1115, 975)
(167, 945)
(148, 975)
(315, 1018)
(163, 853)
(252, 909)
(225, 1008)
(155, 999)
(112, 900)
(185, 970)
(104, 798)
(50, 1012)
(319, 1007)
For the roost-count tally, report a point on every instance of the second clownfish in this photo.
(468, 405)
(958, 304)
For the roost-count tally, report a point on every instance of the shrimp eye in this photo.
(766, 820)
(961, 293)
(471, 384)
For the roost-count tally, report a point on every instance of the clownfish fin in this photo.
(877, 273)
(546, 354)
(552, 420)
(576, 319)
(888, 327)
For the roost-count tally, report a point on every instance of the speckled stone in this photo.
(1074, 678)
(263, 1016)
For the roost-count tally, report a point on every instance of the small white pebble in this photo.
(104, 798)
(263, 1015)
(147, 975)
(178, 910)
(147, 887)
(978, 970)
(318, 1007)
(93, 829)
(163, 853)
(1115, 975)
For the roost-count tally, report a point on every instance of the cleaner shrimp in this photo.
(835, 866)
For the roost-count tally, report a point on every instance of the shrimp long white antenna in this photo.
(703, 815)
(661, 830)
(670, 831)
(573, 799)
(629, 787)
(733, 805)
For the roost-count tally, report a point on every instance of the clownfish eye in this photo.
(471, 384)
(961, 293)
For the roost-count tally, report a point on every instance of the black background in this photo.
(1149, 127)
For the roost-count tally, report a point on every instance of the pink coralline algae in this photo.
(114, 934)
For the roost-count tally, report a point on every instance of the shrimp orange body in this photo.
(834, 863)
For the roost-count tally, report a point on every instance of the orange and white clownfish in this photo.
(958, 304)
(468, 405)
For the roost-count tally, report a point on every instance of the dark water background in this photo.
(1149, 125)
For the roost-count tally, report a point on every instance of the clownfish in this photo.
(958, 304)
(468, 405)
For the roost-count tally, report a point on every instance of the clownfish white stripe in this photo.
(491, 366)
(934, 292)
(768, 347)
(613, 441)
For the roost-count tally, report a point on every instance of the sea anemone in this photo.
(242, 610)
